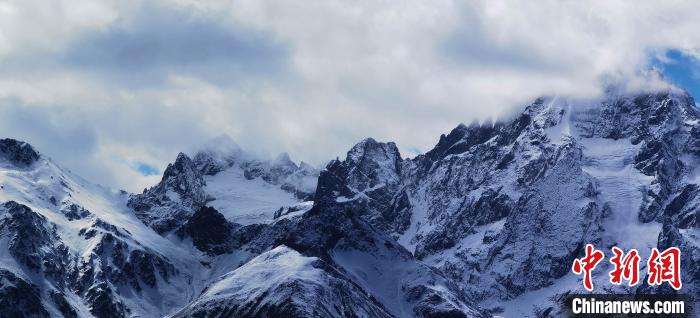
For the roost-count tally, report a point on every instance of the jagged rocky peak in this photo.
(18, 152)
(283, 159)
(303, 166)
(637, 116)
(372, 164)
(493, 211)
(181, 183)
(283, 165)
(368, 166)
(183, 178)
(370, 151)
(222, 153)
(367, 182)
(168, 204)
(273, 171)
(461, 138)
(187, 185)
(218, 155)
(500, 206)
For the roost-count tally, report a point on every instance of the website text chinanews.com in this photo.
(584, 305)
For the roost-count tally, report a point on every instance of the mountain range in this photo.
(488, 222)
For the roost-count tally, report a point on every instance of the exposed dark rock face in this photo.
(18, 298)
(462, 184)
(492, 206)
(368, 182)
(210, 163)
(103, 302)
(73, 211)
(59, 300)
(460, 139)
(167, 205)
(209, 230)
(18, 152)
(181, 192)
(326, 236)
(284, 172)
(542, 237)
(116, 261)
(683, 211)
(682, 230)
(32, 241)
(523, 189)
(658, 122)
(213, 234)
(493, 211)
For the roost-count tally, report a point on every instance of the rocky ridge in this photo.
(494, 212)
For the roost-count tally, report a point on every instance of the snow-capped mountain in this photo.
(247, 190)
(84, 250)
(503, 208)
(487, 222)
(76, 250)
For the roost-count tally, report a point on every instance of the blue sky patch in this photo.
(681, 69)
(146, 170)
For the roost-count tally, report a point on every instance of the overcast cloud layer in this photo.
(107, 88)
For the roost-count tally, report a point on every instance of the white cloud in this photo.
(340, 71)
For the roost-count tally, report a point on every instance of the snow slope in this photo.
(284, 282)
(503, 208)
(53, 193)
(246, 201)
(487, 222)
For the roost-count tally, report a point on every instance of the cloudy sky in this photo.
(114, 89)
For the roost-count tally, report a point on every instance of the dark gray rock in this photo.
(174, 199)
(19, 298)
(103, 304)
(209, 230)
(17, 152)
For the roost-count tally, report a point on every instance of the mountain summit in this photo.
(18, 152)
(487, 222)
